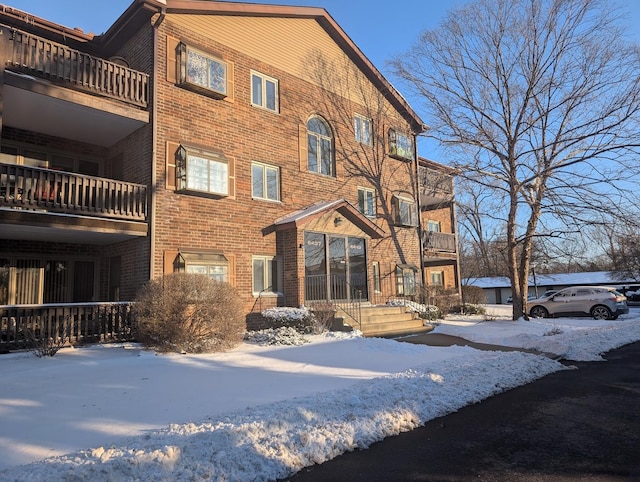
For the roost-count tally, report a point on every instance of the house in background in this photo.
(498, 289)
(215, 138)
(439, 226)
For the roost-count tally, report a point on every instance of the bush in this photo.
(444, 298)
(473, 295)
(282, 336)
(301, 319)
(189, 313)
(469, 309)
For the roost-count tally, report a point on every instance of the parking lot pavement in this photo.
(571, 425)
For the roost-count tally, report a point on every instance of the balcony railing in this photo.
(41, 189)
(443, 242)
(40, 57)
(22, 326)
(435, 184)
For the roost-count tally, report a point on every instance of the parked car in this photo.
(548, 293)
(601, 302)
(530, 297)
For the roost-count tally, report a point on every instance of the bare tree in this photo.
(539, 101)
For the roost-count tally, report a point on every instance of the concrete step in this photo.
(389, 321)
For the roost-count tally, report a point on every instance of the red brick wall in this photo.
(239, 225)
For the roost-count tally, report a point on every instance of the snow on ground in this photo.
(261, 412)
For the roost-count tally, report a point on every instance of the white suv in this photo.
(601, 302)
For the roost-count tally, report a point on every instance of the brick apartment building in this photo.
(252, 143)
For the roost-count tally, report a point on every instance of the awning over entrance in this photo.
(343, 210)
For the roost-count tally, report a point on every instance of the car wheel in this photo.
(601, 312)
(539, 312)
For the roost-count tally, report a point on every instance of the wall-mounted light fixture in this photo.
(337, 221)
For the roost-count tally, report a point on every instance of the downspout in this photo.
(417, 187)
(154, 143)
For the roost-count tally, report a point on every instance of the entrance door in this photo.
(335, 267)
(338, 267)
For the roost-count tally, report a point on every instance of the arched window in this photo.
(320, 147)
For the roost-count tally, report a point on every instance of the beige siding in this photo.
(291, 41)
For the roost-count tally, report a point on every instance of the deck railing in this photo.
(434, 241)
(40, 57)
(21, 326)
(37, 188)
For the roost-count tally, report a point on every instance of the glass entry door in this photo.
(335, 267)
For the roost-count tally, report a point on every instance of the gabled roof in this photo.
(140, 9)
(299, 218)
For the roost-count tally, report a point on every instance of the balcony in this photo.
(439, 242)
(37, 203)
(55, 90)
(436, 187)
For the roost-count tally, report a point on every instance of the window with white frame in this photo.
(213, 264)
(202, 170)
(266, 275)
(320, 147)
(433, 226)
(362, 128)
(218, 272)
(376, 276)
(265, 181)
(400, 145)
(203, 71)
(437, 278)
(367, 201)
(404, 211)
(405, 280)
(264, 91)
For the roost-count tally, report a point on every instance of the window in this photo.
(216, 272)
(376, 276)
(45, 280)
(433, 226)
(26, 155)
(264, 92)
(404, 211)
(213, 264)
(204, 171)
(437, 278)
(265, 182)
(400, 145)
(405, 279)
(203, 71)
(320, 147)
(362, 127)
(266, 274)
(367, 201)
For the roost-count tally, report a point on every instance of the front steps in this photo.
(388, 321)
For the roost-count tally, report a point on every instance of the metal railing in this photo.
(43, 58)
(72, 323)
(27, 187)
(323, 290)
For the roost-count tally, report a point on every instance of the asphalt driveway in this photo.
(581, 424)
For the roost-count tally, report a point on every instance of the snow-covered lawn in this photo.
(261, 412)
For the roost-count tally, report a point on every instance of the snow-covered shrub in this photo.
(299, 318)
(189, 313)
(426, 312)
(276, 336)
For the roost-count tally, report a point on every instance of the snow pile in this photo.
(262, 412)
(274, 441)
